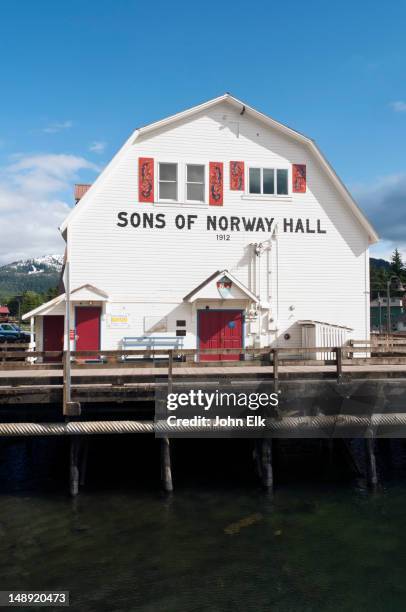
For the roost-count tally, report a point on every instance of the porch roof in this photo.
(80, 294)
(207, 289)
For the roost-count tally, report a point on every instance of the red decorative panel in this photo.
(216, 183)
(237, 176)
(145, 179)
(299, 178)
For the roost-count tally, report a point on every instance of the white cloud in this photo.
(31, 203)
(399, 106)
(97, 146)
(384, 202)
(58, 126)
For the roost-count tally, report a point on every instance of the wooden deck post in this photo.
(69, 408)
(74, 465)
(339, 357)
(275, 364)
(166, 470)
(66, 388)
(266, 463)
(275, 370)
(170, 371)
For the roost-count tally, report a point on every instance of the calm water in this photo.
(219, 543)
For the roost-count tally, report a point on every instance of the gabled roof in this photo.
(88, 292)
(198, 292)
(45, 306)
(249, 110)
(82, 293)
(4, 310)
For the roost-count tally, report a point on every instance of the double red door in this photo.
(87, 324)
(220, 329)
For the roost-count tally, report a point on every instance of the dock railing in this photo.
(18, 356)
(92, 373)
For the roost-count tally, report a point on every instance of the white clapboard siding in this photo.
(309, 276)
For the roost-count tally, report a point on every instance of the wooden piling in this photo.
(166, 470)
(74, 465)
(372, 474)
(266, 463)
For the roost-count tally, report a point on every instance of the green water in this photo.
(210, 547)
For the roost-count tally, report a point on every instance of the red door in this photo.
(220, 329)
(87, 328)
(53, 331)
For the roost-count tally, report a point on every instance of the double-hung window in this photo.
(195, 183)
(168, 182)
(268, 181)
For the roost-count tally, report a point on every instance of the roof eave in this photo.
(358, 213)
(54, 302)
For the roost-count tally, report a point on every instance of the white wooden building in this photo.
(219, 226)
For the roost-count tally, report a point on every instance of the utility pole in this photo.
(69, 408)
(67, 377)
(394, 282)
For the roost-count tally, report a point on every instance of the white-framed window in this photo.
(195, 183)
(268, 181)
(167, 181)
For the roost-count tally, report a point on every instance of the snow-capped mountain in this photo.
(36, 265)
(35, 274)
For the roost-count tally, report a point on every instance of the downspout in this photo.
(276, 238)
(258, 256)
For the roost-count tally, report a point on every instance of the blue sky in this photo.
(77, 77)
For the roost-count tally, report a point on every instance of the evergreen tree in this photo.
(31, 300)
(397, 267)
(28, 300)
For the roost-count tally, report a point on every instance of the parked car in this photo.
(24, 336)
(12, 333)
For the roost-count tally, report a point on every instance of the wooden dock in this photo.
(114, 392)
(33, 377)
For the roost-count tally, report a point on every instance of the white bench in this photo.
(151, 343)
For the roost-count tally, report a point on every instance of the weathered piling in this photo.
(372, 474)
(166, 470)
(74, 465)
(266, 463)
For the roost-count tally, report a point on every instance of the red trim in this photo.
(145, 179)
(237, 176)
(299, 178)
(216, 183)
